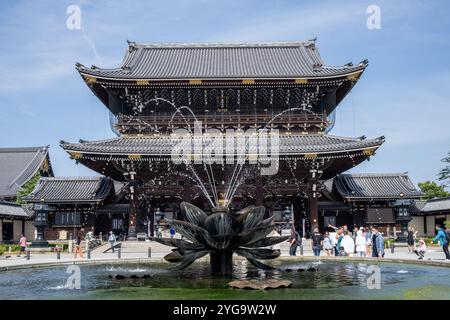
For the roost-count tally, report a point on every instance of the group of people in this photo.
(364, 242)
(419, 247)
(343, 242)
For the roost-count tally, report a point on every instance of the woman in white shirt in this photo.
(348, 244)
(360, 242)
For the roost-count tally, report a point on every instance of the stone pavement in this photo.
(139, 250)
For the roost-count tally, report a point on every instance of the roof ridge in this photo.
(438, 199)
(74, 178)
(220, 44)
(22, 149)
(375, 174)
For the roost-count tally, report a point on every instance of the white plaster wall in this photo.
(430, 226)
(17, 229)
(417, 224)
(29, 230)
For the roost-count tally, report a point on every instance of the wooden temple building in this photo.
(283, 86)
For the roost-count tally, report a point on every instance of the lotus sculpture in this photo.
(220, 234)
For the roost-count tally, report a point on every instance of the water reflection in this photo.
(332, 279)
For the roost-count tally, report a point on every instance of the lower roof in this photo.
(432, 206)
(163, 145)
(366, 186)
(70, 189)
(13, 211)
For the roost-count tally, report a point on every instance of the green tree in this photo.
(433, 190)
(444, 174)
(27, 188)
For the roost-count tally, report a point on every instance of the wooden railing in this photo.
(295, 122)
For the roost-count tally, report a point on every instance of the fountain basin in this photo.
(336, 279)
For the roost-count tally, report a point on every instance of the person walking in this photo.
(421, 249)
(339, 237)
(295, 241)
(328, 244)
(172, 232)
(78, 248)
(411, 239)
(348, 244)
(23, 245)
(377, 243)
(360, 243)
(368, 235)
(317, 242)
(112, 240)
(443, 238)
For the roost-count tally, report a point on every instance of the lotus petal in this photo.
(193, 214)
(174, 256)
(251, 217)
(190, 231)
(189, 257)
(253, 261)
(265, 242)
(265, 253)
(219, 224)
(182, 244)
(255, 234)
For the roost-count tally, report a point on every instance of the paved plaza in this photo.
(136, 250)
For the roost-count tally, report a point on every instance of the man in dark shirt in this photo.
(317, 242)
(295, 241)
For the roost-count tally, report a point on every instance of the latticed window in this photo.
(117, 224)
(67, 218)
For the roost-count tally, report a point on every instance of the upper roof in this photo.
(375, 186)
(70, 189)
(164, 145)
(12, 210)
(186, 61)
(18, 166)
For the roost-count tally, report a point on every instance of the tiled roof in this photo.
(436, 205)
(18, 166)
(70, 189)
(12, 210)
(180, 61)
(416, 207)
(163, 145)
(375, 186)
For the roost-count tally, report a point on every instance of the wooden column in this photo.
(313, 211)
(259, 196)
(132, 220)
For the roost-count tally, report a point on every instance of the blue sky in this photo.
(404, 94)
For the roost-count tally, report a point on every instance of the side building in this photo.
(18, 168)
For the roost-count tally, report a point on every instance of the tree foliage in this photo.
(432, 190)
(444, 174)
(27, 188)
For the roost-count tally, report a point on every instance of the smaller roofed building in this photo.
(428, 214)
(361, 199)
(73, 203)
(15, 220)
(18, 167)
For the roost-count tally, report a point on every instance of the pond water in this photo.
(333, 280)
